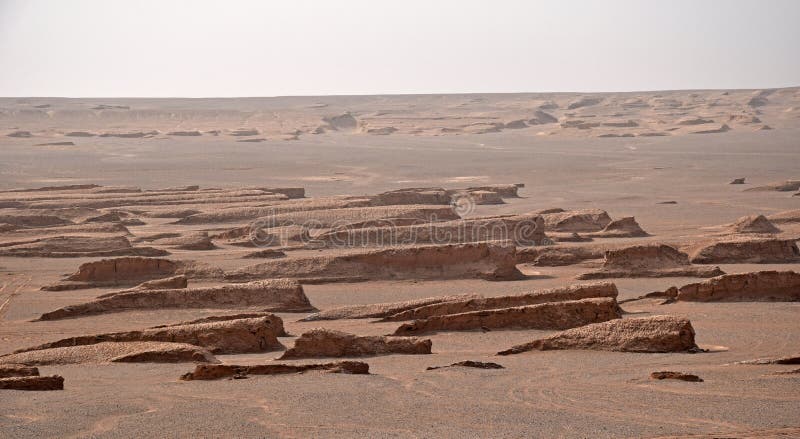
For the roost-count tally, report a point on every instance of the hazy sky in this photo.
(293, 47)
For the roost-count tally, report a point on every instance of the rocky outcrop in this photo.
(668, 375)
(110, 352)
(117, 271)
(377, 310)
(525, 229)
(52, 382)
(469, 363)
(785, 217)
(747, 251)
(17, 370)
(278, 295)
(341, 122)
(221, 337)
(752, 224)
(24, 220)
(328, 343)
(556, 256)
(432, 195)
(126, 271)
(587, 220)
(622, 228)
(461, 261)
(561, 294)
(78, 246)
(651, 260)
(791, 359)
(760, 286)
(270, 217)
(645, 334)
(503, 190)
(549, 315)
(219, 371)
(192, 241)
(783, 186)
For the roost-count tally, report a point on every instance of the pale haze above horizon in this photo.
(96, 48)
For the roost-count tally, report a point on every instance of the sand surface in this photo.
(388, 143)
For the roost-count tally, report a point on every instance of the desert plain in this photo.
(293, 266)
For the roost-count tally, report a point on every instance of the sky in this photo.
(199, 48)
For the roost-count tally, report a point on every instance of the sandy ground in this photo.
(540, 394)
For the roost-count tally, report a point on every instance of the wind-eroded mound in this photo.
(525, 229)
(645, 334)
(747, 251)
(587, 220)
(52, 382)
(652, 260)
(556, 256)
(785, 217)
(752, 224)
(191, 241)
(572, 292)
(280, 295)
(381, 309)
(17, 370)
(549, 315)
(110, 352)
(760, 286)
(482, 260)
(783, 186)
(223, 337)
(328, 343)
(268, 217)
(622, 228)
(218, 371)
(78, 246)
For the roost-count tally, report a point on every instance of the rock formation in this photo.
(587, 220)
(651, 260)
(752, 224)
(549, 315)
(53, 382)
(279, 295)
(747, 251)
(328, 343)
(238, 336)
(463, 305)
(376, 310)
(555, 256)
(760, 286)
(668, 375)
(461, 261)
(622, 228)
(218, 371)
(645, 334)
(127, 352)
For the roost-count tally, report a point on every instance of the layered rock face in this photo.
(761, 286)
(111, 352)
(328, 343)
(748, 251)
(650, 260)
(376, 310)
(218, 371)
(550, 315)
(274, 295)
(572, 292)
(221, 337)
(646, 334)
(481, 260)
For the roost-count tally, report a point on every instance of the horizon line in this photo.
(403, 94)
